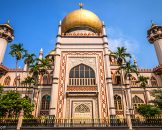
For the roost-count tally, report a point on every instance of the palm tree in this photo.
(29, 59)
(40, 67)
(121, 55)
(18, 52)
(143, 84)
(128, 68)
(34, 70)
(44, 64)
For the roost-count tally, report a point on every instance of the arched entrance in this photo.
(82, 111)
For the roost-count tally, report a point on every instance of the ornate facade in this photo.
(85, 81)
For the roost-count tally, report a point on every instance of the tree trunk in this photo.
(16, 73)
(123, 91)
(145, 96)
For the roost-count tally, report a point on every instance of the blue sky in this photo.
(36, 21)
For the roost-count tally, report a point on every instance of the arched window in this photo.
(45, 79)
(133, 81)
(82, 75)
(82, 108)
(137, 102)
(117, 78)
(118, 102)
(45, 102)
(51, 78)
(7, 81)
(154, 82)
(17, 81)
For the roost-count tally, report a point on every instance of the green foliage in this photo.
(142, 81)
(27, 106)
(148, 110)
(157, 93)
(39, 67)
(128, 69)
(121, 55)
(29, 59)
(17, 51)
(28, 81)
(11, 103)
(1, 89)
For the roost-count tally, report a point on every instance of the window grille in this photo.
(137, 102)
(118, 102)
(7, 81)
(82, 75)
(82, 108)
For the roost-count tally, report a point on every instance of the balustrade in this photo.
(82, 82)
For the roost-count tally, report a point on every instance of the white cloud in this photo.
(132, 46)
(118, 39)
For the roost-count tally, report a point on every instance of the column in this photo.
(129, 97)
(148, 97)
(54, 89)
(109, 83)
(3, 45)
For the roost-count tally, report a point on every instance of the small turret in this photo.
(6, 36)
(154, 35)
(41, 53)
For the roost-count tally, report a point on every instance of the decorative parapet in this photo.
(6, 32)
(4, 68)
(145, 70)
(154, 33)
(158, 69)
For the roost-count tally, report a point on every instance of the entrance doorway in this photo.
(82, 111)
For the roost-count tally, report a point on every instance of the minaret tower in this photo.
(6, 36)
(154, 35)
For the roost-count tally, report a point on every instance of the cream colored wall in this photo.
(3, 45)
(12, 75)
(158, 48)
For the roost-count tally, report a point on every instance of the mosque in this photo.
(84, 81)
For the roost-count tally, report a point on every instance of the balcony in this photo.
(82, 82)
(82, 85)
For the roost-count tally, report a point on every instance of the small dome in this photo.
(81, 19)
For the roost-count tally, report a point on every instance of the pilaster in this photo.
(110, 93)
(54, 90)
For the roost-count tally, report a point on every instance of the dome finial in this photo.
(153, 23)
(8, 21)
(81, 5)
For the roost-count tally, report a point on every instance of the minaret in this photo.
(154, 35)
(41, 53)
(6, 36)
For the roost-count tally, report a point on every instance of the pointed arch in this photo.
(133, 81)
(16, 81)
(82, 108)
(82, 75)
(118, 102)
(46, 78)
(7, 81)
(51, 78)
(154, 82)
(137, 101)
(117, 78)
(45, 102)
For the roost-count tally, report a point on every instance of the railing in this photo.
(151, 121)
(8, 122)
(52, 122)
(82, 82)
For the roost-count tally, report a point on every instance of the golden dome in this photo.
(81, 18)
